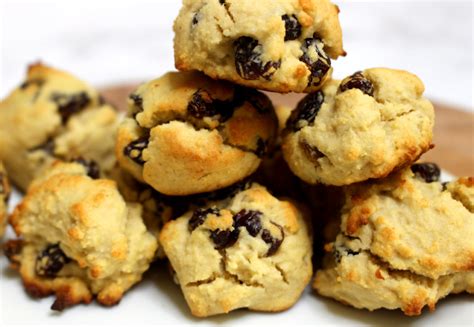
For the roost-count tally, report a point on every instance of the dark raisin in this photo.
(305, 111)
(427, 171)
(250, 220)
(357, 81)
(134, 150)
(312, 152)
(445, 185)
(316, 59)
(199, 216)
(248, 62)
(225, 238)
(195, 19)
(50, 261)
(137, 101)
(292, 27)
(273, 241)
(92, 168)
(201, 105)
(340, 252)
(70, 104)
(222, 2)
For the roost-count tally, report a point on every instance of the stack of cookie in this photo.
(203, 154)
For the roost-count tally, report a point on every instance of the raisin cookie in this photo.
(404, 242)
(4, 195)
(78, 238)
(54, 115)
(275, 45)
(363, 127)
(188, 134)
(251, 251)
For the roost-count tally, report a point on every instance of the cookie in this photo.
(53, 115)
(252, 251)
(188, 134)
(404, 242)
(364, 282)
(363, 127)
(275, 45)
(78, 238)
(4, 195)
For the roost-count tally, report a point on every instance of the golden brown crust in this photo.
(245, 273)
(101, 242)
(403, 243)
(53, 115)
(197, 135)
(358, 134)
(206, 30)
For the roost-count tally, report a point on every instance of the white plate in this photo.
(158, 301)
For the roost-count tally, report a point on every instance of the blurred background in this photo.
(111, 42)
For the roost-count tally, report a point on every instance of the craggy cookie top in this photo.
(404, 242)
(252, 251)
(4, 195)
(78, 233)
(53, 115)
(365, 282)
(189, 134)
(276, 45)
(360, 128)
(413, 224)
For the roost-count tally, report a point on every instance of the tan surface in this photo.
(453, 134)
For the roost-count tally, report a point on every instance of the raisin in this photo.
(222, 2)
(137, 101)
(316, 59)
(134, 150)
(248, 62)
(357, 81)
(203, 105)
(292, 27)
(92, 168)
(70, 104)
(225, 238)
(312, 152)
(338, 253)
(248, 219)
(195, 20)
(199, 216)
(305, 111)
(273, 241)
(50, 261)
(427, 171)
